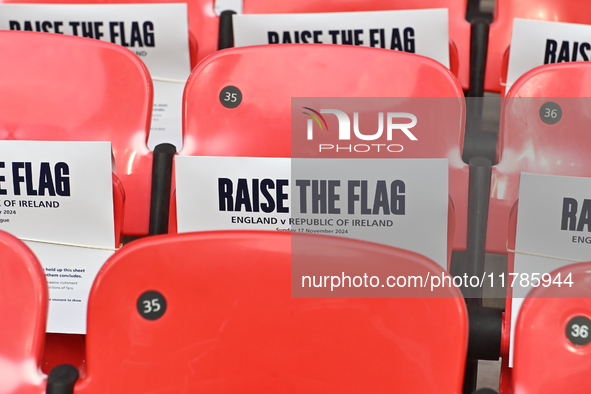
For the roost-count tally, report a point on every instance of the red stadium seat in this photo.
(527, 144)
(82, 98)
(541, 327)
(459, 28)
(224, 320)
(502, 26)
(192, 40)
(23, 305)
(541, 341)
(210, 129)
(65, 88)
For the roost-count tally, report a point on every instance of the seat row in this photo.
(211, 28)
(106, 95)
(212, 312)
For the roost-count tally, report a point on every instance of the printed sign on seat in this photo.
(500, 30)
(535, 43)
(459, 28)
(354, 198)
(58, 197)
(424, 32)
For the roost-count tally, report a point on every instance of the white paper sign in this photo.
(401, 202)
(60, 192)
(535, 43)
(553, 220)
(157, 33)
(424, 32)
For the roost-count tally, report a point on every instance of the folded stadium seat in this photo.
(259, 72)
(502, 26)
(212, 312)
(459, 28)
(23, 305)
(552, 334)
(192, 39)
(527, 144)
(61, 88)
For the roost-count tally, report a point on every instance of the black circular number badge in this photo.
(151, 305)
(550, 113)
(577, 330)
(230, 97)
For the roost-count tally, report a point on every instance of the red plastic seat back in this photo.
(502, 26)
(527, 144)
(231, 324)
(23, 307)
(63, 88)
(206, 22)
(541, 342)
(268, 76)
